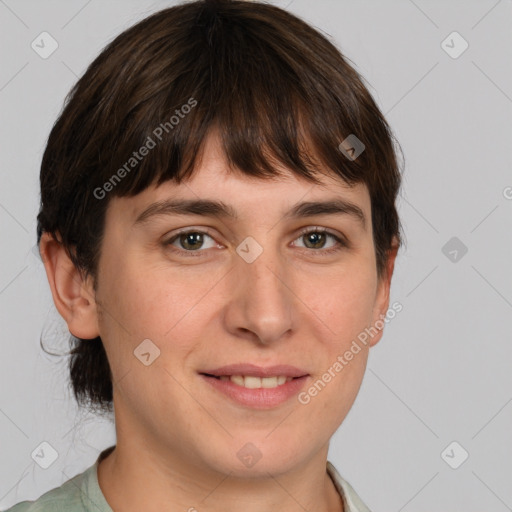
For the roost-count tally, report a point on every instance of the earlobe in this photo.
(73, 296)
(382, 297)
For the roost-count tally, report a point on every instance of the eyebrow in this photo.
(213, 208)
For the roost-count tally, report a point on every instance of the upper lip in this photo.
(249, 369)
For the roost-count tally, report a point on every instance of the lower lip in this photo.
(259, 398)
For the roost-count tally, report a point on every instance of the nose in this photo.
(261, 305)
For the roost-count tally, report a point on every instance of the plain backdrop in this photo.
(430, 429)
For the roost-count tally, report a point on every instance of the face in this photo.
(207, 291)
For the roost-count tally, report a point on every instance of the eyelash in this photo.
(341, 242)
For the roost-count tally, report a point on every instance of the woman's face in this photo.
(250, 290)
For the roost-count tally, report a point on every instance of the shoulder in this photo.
(351, 500)
(71, 496)
(81, 493)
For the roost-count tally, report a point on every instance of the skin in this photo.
(178, 438)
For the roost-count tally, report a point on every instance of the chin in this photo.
(246, 458)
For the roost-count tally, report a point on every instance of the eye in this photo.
(190, 241)
(316, 237)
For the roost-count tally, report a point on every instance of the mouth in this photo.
(252, 381)
(255, 386)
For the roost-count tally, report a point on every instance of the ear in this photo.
(73, 296)
(382, 296)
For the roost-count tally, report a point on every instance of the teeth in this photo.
(237, 379)
(251, 382)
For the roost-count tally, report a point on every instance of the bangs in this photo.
(263, 98)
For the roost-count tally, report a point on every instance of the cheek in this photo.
(343, 309)
(344, 303)
(161, 304)
(149, 304)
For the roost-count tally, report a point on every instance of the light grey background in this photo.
(440, 374)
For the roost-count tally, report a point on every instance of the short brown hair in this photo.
(274, 87)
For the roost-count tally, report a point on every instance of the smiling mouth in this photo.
(253, 382)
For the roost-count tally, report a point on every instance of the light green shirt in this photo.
(82, 493)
